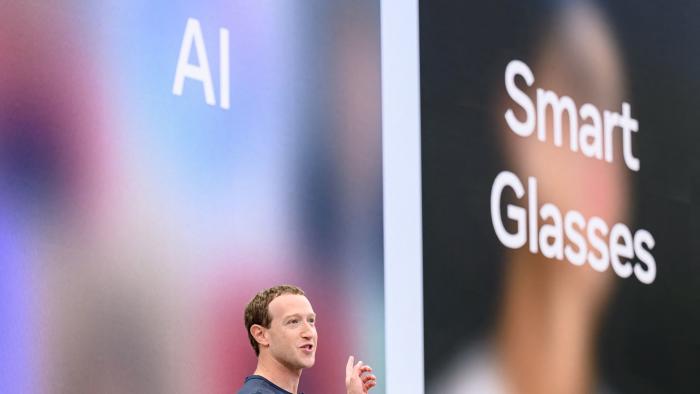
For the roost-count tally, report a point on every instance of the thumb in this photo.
(349, 366)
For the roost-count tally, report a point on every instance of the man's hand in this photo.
(358, 379)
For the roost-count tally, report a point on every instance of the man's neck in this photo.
(277, 373)
(545, 337)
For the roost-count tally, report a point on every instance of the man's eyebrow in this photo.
(298, 315)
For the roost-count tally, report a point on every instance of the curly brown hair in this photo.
(257, 312)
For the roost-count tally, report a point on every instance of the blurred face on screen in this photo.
(292, 334)
(578, 58)
(548, 304)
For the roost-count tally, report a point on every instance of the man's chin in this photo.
(308, 362)
(311, 363)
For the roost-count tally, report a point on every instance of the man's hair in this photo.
(257, 311)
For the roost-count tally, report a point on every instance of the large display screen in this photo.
(160, 163)
(561, 196)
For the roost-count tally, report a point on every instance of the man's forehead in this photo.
(289, 304)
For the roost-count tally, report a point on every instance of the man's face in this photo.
(292, 332)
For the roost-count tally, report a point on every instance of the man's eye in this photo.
(293, 321)
(312, 321)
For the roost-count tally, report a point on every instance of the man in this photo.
(281, 328)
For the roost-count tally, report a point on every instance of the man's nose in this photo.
(308, 331)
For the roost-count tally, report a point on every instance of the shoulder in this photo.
(258, 385)
(474, 370)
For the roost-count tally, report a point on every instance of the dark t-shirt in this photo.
(256, 384)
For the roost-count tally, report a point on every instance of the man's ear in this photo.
(260, 334)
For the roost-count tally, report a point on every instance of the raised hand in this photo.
(358, 377)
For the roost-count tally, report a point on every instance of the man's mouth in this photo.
(308, 347)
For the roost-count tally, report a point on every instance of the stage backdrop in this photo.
(561, 196)
(161, 162)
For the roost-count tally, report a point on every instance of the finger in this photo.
(369, 385)
(365, 368)
(349, 367)
(367, 378)
(357, 367)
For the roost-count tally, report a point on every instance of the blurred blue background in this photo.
(135, 224)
